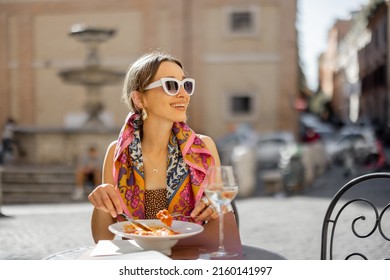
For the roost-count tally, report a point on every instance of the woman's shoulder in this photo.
(207, 140)
(205, 137)
(112, 146)
(113, 143)
(210, 144)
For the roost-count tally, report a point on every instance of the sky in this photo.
(315, 18)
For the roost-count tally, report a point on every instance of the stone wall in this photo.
(60, 145)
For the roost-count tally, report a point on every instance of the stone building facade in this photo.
(374, 65)
(243, 54)
(347, 90)
(354, 68)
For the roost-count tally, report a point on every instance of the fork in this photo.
(181, 215)
(138, 224)
(126, 217)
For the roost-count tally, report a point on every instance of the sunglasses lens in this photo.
(189, 87)
(172, 87)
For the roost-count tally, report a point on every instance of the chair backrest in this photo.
(235, 210)
(357, 222)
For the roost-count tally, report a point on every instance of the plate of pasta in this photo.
(158, 236)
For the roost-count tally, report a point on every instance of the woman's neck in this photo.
(155, 137)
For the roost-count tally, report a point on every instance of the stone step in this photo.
(29, 198)
(37, 184)
(38, 188)
(22, 179)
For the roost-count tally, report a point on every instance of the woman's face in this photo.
(158, 104)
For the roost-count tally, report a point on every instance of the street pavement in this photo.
(288, 225)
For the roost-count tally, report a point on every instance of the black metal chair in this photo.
(235, 210)
(361, 211)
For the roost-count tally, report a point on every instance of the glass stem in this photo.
(221, 247)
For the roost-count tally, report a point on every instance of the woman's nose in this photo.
(182, 92)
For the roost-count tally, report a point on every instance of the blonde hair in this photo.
(141, 73)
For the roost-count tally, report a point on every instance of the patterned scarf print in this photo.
(187, 164)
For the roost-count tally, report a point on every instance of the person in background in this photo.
(9, 145)
(88, 171)
(311, 136)
(158, 161)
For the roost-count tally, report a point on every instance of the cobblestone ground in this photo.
(290, 226)
(37, 231)
(295, 229)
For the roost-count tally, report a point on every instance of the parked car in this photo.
(269, 148)
(325, 130)
(243, 136)
(356, 141)
(237, 149)
(225, 147)
(292, 170)
(243, 160)
(279, 162)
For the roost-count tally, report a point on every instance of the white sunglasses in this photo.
(172, 86)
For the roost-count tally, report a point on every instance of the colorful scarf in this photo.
(188, 161)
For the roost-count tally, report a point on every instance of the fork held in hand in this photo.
(138, 224)
(126, 217)
(181, 215)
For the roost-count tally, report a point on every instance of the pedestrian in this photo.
(87, 171)
(311, 136)
(8, 142)
(158, 161)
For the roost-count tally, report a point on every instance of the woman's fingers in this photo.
(206, 215)
(108, 204)
(116, 200)
(105, 198)
(204, 210)
(200, 206)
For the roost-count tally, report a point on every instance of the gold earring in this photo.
(144, 114)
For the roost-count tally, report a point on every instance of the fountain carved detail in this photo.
(93, 76)
(64, 145)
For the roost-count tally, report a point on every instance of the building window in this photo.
(241, 105)
(241, 21)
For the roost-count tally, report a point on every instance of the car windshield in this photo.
(353, 138)
(271, 144)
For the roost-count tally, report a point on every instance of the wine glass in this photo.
(221, 188)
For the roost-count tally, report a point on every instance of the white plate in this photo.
(158, 243)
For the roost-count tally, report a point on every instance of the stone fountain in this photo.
(46, 171)
(92, 76)
(64, 145)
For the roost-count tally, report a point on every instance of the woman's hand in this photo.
(105, 197)
(204, 210)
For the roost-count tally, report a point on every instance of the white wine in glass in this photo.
(221, 188)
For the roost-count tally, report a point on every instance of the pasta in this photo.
(155, 230)
(165, 217)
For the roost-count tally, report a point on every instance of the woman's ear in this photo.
(136, 97)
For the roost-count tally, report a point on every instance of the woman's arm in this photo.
(200, 211)
(105, 200)
(212, 148)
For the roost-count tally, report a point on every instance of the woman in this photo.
(158, 162)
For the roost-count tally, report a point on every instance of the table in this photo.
(195, 247)
(83, 253)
